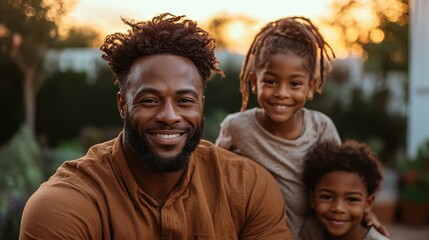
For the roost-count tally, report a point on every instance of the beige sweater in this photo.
(242, 133)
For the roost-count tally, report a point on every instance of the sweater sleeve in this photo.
(60, 211)
(225, 138)
(330, 132)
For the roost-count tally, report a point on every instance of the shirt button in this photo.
(166, 235)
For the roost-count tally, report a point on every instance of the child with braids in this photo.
(285, 64)
(341, 183)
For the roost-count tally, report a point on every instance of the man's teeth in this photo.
(168, 135)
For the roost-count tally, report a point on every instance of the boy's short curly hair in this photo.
(164, 34)
(351, 156)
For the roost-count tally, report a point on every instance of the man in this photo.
(157, 180)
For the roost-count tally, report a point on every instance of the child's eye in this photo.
(295, 84)
(325, 197)
(353, 199)
(269, 82)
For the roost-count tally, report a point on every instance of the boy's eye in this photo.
(325, 197)
(353, 199)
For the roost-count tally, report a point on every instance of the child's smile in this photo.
(341, 205)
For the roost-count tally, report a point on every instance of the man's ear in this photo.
(122, 104)
(369, 203)
(253, 83)
(203, 101)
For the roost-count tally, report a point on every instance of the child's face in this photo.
(340, 201)
(282, 86)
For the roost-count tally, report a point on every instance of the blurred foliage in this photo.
(382, 35)
(414, 176)
(11, 101)
(364, 118)
(70, 101)
(29, 27)
(20, 175)
(223, 97)
(78, 37)
(67, 150)
(367, 27)
(223, 24)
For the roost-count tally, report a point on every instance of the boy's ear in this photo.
(369, 203)
(253, 82)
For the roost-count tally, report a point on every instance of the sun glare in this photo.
(376, 35)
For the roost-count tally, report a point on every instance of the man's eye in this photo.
(186, 100)
(148, 101)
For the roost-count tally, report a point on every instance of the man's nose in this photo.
(168, 113)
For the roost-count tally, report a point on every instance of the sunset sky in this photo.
(105, 14)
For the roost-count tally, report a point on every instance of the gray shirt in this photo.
(373, 234)
(242, 133)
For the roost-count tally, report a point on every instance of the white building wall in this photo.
(418, 119)
(76, 59)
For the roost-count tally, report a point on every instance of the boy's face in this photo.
(340, 201)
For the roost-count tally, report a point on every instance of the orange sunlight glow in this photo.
(107, 19)
(361, 23)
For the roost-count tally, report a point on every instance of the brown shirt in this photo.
(221, 196)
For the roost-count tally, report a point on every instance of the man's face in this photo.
(163, 111)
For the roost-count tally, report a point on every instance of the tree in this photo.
(27, 29)
(79, 37)
(355, 24)
(378, 31)
(232, 32)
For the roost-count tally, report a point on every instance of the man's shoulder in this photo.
(82, 174)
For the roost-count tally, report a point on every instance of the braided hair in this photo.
(164, 34)
(295, 35)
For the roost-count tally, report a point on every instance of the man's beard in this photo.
(151, 160)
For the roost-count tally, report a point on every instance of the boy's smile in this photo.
(340, 205)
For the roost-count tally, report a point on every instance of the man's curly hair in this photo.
(351, 156)
(164, 34)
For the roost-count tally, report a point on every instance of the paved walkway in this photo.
(405, 232)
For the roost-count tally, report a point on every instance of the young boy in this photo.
(341, 182)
